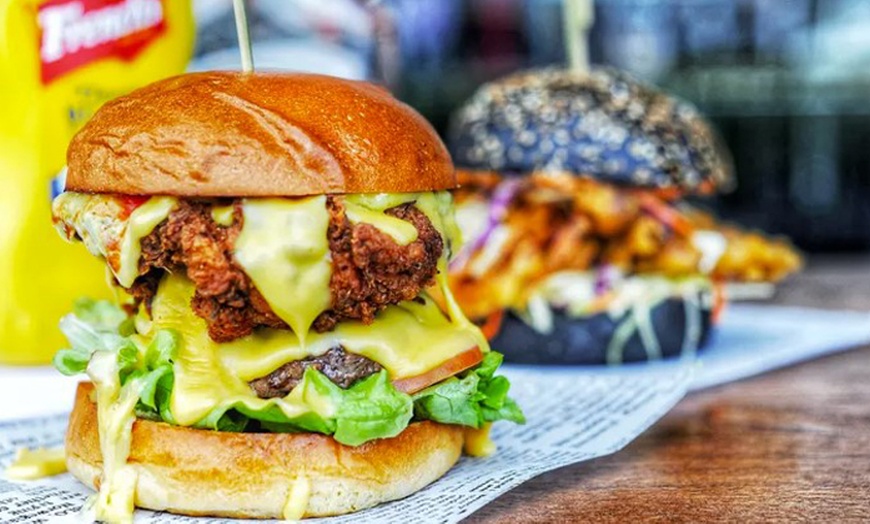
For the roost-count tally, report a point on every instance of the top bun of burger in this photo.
(233, 134)
(603, 124)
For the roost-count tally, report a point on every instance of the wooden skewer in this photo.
(244, 37)
(577, 16)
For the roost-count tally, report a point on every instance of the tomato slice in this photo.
(461, 362)
(131, 202)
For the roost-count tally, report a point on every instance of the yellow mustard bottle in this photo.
(59, 61)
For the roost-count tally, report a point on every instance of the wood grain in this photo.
(792, 445)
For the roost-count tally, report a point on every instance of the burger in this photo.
(580, 247)
(285, 343)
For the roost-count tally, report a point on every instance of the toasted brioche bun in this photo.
(250, 475)
(264, 134)
(602, 124)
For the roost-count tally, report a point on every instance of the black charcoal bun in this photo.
(585, 341)
(603, 124)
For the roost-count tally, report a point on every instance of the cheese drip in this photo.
(284, 249)
(30, 464)
(478, 442)
(115, 416)
(297, 499)
(437, 206)
(223, 215)
(369, 209)
(282, 246)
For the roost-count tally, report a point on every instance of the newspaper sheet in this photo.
(572, 416)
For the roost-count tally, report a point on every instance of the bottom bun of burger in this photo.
(668, 328)
(251, 475)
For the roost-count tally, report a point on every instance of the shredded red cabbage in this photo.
(502, 196)
(605, 278)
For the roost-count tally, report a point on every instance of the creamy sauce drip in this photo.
(297, 499)
(31, 464)
(639, 320)
(115, 416)
(478, 442)
(369, 209)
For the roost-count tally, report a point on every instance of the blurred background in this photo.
(785, 81)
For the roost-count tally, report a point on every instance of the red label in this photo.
(74, 33)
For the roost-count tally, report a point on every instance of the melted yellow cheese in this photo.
(437, 206)
(297, 499)
(274, 230)
(284, 249)
(401, 231)
(223, 215)
(141, 223)
(30, 464)
(381, 201)
(408, 339)
(478, 443)
(115, 416)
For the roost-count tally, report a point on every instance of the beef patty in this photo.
(339, 366)
(370, 270)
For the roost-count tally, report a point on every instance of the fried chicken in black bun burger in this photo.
(578, 246)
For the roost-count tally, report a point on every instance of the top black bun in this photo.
(604, 124)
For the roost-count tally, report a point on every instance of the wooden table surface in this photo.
(791, 445)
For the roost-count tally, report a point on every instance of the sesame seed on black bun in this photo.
(604, 124)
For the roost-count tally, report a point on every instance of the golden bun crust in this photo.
(263, 134)
(250, 475)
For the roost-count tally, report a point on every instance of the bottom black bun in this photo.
(669, 328)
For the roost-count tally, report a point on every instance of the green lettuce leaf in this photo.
(155, 373)
(94, 325)
(71, 361)
(99, 325)
(103, 316)
(372, 408)
(470, 400)
(453, 401)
